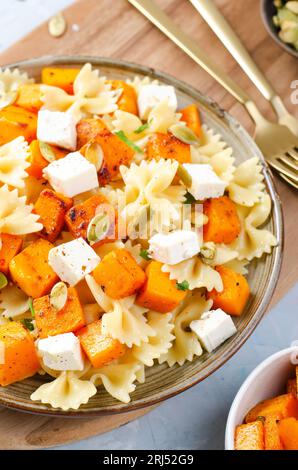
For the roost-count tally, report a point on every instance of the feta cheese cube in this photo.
(152, 95)
(213, 328)
(72, 261)
(57, 128)
(205, 182)
(174, 247)
(71, 175)
(61, 352)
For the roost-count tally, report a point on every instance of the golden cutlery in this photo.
(278, 144)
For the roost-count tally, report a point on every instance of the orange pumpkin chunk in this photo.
(29, 97)
(168, 146)
(284, 405)
(223, 224)
(51, 322)
(235, 293)
(119, 274)
(59, 77)
(11, 246)
(288, 431)
(191, 116)
(159, 293)
(52, 207)
(79, 216)
(98, 347)
(250, 436)
(20, 358)
(128, 99)
(271, 434)
(15, 122)
(31, 271)
(87, 129)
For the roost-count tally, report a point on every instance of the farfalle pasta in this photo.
(126, 232)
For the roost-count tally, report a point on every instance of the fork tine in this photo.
(281, 168)
(293, 153)
(288, 161)
(289, 181)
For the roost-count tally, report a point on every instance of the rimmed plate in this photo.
(163, 382)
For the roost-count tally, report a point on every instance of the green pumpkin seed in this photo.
(8, 98)
(208, 252)
(184, 176)
(57, 25)
(185, 134)
(47, 152)
(98, 228)
(94, 154)
(3, 281)
(58, 296)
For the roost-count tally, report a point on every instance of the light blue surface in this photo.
(196, 419)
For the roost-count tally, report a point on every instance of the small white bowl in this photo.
(265, 381)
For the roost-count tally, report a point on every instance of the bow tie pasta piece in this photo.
(13, 162)
(13, 302)
(247, 185)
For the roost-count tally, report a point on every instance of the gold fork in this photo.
(278, 144)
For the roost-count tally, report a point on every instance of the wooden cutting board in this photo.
(116, 29)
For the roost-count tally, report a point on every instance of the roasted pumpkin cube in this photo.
(60, 77)
(223, 224)
(288, 431)
(191, 116)
(285, 406)
(19, 354)
(271, 433)
(250, 436)
(15, 122)
(159, 293)
(31, 271)
(99, 347)
(52, 207)
(38, 162)
(11, 246)
(168, 146)
(128, 99)
(29, 97)
(115, 153)
(87, 130)
(51, 322)
(234, 296)
(79, 216)
(119, 274)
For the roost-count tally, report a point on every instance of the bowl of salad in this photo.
(280, 18)
(141, 236)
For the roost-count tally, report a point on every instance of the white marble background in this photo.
(195, 419)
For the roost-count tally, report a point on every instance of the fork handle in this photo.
(229, 38)
(160, 19)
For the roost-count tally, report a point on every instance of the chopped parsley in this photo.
(189, 199)
(142, 128)
(31, 308)
(182, 285)
(129, 142)
(28, 324)
(145, 255)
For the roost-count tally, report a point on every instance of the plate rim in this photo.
(277, 214)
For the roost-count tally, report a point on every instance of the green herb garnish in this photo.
(142, 128)
(31, 308)
(182, 285)
(145, 255)
(28, 324)
(189, 199)
(3, 281)
(129, 142)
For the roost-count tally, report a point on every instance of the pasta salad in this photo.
(126, 230)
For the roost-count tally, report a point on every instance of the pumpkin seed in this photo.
(8, 98)
(185, 134)
(58, 296)
(98, 228)
(47, 152)
(184, 176)
(94, 154)
(2, 352)
(3, 281)
(208, 252)
(57, 25)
